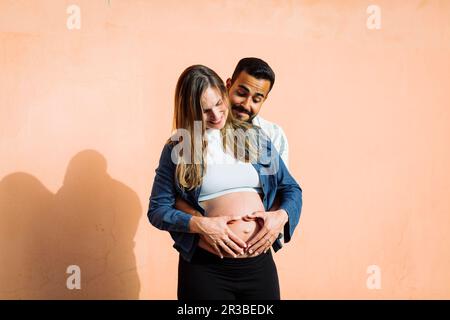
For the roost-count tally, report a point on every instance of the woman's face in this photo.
(215, 109)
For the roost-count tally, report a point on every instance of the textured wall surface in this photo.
(84, 113)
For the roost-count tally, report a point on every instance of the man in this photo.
(248, 89)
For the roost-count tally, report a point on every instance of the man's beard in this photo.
(250, 114)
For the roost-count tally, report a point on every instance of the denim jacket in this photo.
(275, 180)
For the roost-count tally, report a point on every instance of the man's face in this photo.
(247, 94)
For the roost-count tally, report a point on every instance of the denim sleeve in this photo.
(162, 213)
(289, 192)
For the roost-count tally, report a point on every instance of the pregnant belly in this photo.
(235, 204)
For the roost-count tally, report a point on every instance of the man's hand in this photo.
(218, 235)
(274, 222)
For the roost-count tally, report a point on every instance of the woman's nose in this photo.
(216, 114)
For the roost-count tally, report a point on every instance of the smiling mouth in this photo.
(217, 121)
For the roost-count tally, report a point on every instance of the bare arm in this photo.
(182, 205)
(275, 205)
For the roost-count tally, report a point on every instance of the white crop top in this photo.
(224, 173)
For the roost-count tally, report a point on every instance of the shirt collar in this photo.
(256, 120)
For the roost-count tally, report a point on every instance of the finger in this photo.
(256, 214)
(241, 243)
(233, 218)
(262, 243)
(225, 247)
(216, 248)
(232, 245)
(256, 253)
(262, 249)
(211, 243)
(257, 237)
(249, 218)
(259, 246)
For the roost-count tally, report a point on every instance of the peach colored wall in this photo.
(84, 114)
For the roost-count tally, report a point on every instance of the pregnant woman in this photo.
(225, 170)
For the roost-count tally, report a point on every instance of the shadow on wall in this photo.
(90, 222)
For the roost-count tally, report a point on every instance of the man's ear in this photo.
(228, 83)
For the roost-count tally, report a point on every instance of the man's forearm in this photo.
(276, 204)
(275, 208)
(182, 205)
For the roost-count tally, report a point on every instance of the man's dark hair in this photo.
(256, 68)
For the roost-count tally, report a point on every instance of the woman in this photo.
(225, 169)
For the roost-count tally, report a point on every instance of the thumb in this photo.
(232, 218)
(256, 214)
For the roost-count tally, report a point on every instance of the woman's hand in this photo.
(273, 225)
(215, 231)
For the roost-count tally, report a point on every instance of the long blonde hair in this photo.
(188, 110)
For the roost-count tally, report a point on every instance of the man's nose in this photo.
(246, 104)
